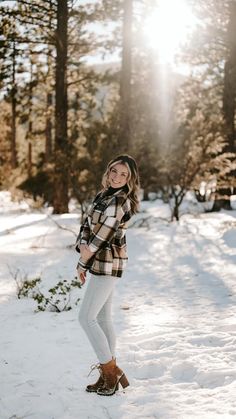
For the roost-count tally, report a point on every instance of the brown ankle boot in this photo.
(112, 376)
(92, 388)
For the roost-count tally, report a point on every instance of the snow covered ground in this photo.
(174, 313)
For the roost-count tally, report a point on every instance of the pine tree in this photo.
(9, 58)
(212, 57)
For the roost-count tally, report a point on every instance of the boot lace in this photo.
(94, 367)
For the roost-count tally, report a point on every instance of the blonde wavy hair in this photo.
(133, 182)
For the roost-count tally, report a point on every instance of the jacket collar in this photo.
(116, 191)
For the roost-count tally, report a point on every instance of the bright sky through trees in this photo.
(168, 28)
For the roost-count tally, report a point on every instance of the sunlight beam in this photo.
(168, 28)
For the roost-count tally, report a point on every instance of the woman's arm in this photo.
(84, 232)
(83, 235)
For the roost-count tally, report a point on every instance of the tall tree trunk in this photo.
(60, 198)
(29, 163)
(229, 104)
(48, 125)
(48, 128)
(30, 124)
(229, 97)
(125, 78)
(13, 110)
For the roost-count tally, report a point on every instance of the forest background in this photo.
(79, 83)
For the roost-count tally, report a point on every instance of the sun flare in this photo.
(168, 28)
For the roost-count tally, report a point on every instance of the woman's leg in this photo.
(104, 319)
(98, 292)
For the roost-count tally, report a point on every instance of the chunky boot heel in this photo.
(123, 381)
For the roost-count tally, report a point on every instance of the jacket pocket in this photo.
(103, 262)
(104, 255)
(119, 252)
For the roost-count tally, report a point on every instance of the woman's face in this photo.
(118, 175)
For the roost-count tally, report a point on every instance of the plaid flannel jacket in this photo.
(104, 231)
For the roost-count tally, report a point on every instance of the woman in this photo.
(102, 246)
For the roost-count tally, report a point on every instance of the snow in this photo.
(174, 312)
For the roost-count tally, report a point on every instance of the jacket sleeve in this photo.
(84, 234)
(104, 230)
(83, 238)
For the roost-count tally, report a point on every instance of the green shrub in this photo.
(58, 298)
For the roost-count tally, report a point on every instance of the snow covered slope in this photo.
(174, 313)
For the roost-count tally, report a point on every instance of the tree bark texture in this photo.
(13, 111)
(61, 153)
(29, 135)
(229, 97)
(48, 129)
(49, 99)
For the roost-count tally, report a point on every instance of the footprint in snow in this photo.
(186, 372)
(183, 372)
(149, 370)
(208, 341)
(213, 379)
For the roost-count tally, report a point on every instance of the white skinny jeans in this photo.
(95, 316)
